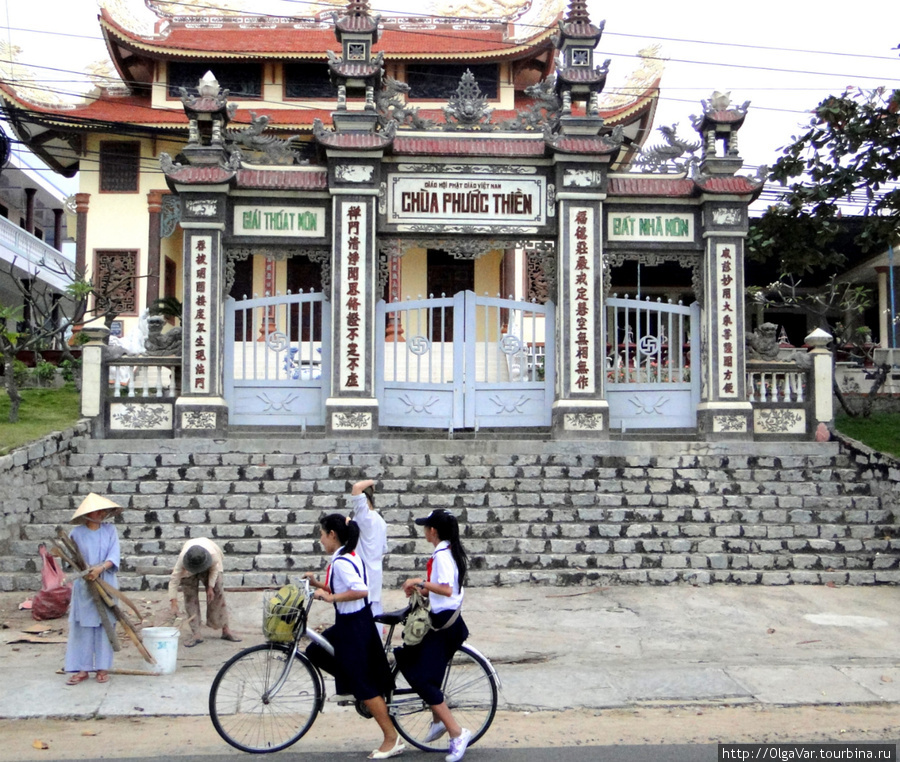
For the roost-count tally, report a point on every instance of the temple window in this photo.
(307, 80)
(581, 57)
(356, 51)
(242, 80)
(434, 81)
(120, 166)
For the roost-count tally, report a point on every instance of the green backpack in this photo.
(417, 622)
(283, 614)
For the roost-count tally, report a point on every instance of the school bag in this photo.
(283, 614)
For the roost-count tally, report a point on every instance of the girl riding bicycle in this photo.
(424, 665)
(359, 663)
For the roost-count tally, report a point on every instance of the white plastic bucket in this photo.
(162, 644)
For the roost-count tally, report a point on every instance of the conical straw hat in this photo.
(94, 502)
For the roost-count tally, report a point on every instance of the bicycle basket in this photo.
(284, 614)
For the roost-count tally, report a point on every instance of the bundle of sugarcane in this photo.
(105, 595)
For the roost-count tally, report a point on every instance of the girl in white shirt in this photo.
(372, 537)
(359, 665)
(424, 665)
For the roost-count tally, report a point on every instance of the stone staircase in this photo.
(550, 512)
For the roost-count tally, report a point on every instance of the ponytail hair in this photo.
(347, 531)
(369, 492)
(448, 529)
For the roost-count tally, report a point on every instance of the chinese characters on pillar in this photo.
(353, 306)
(198, 367)
(581, 278)
(726, 285)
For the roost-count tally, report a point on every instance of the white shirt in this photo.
(372, 543)
(444, 571)
(346, 575)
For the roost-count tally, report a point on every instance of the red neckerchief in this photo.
(328, 570)
(428, 569)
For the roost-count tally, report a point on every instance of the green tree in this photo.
(848, 157)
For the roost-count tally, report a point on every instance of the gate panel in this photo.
(418, 372)
(652, 378)
(511, 362)
(496, 371)
(275, 360)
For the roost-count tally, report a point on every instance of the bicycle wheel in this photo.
(470, 690)
(255, 707)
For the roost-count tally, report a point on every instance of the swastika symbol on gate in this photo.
(418, 345)
(276, 341)
(649, 345)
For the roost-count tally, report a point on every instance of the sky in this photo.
(784, 56)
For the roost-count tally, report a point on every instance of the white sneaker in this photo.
(436, 731)
(341, 698)
(458, 746)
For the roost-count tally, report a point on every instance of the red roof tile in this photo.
(282, 179)
(304, 40)
(636, 185)
(201, 175)
(458, 145)
(729, 184)
(360, 140)
(582, 144)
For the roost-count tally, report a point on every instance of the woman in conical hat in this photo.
(88, 649)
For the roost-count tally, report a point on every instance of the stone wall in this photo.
(26, 474)
(531, 511)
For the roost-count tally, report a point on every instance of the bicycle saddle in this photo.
(392, 617)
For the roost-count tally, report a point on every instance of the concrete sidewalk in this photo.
(554, 648)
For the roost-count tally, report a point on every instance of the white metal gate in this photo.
(652, 364)
(276, 363)
(465, 361)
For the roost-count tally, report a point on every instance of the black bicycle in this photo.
(266, 697)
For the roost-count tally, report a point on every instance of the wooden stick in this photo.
(141, 672)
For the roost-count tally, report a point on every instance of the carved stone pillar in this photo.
(581, 409)
(352, 406)
(200, 410)
(724, 412)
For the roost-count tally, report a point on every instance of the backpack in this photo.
(284, 614)
(417, 622)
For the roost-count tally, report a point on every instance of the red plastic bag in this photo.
(52, 602)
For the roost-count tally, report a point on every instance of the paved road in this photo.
(559, 648)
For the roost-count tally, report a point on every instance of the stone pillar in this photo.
(154, 209)
(352, 407)
(724, 412)
(823, 379)
(94, 383)
(580, 409)
(29, 209)
(200, 410)
(82, 204)
(57, 228)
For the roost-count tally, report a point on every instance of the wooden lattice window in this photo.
(308, 80)
(242, 80)
(434, 81)
(120, 166)
(116, 281)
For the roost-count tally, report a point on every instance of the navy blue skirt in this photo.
(424, 665)
(359, 664)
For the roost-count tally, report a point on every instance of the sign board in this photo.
(279, 221)
(650, 227)
(452, 199)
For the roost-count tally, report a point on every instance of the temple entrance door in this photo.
(652, 364)
(446, 276)
(465, 361)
